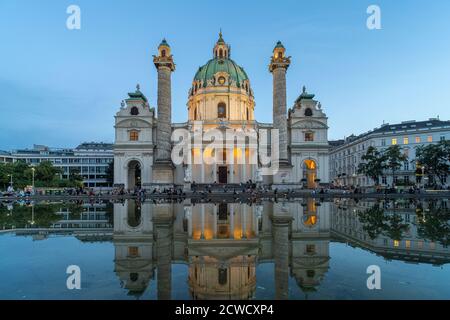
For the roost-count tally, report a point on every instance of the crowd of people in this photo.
(248, 189)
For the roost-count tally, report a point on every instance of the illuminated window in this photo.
(418, 140)
(309, 136)
(396, 243)
(430, 138)
(221, 110)
(133, 251)
(408, 244)
(405, 140)
(134, 135)
(222, 80)
(394, 141)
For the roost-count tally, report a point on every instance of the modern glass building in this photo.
(89, 159)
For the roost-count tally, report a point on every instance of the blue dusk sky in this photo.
(60, 87)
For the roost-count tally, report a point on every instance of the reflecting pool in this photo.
(299, 249)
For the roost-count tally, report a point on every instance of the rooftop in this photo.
(404, 126)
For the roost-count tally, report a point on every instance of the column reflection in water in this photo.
(163, 225)
(134, 245)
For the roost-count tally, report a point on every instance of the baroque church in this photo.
(220, 100)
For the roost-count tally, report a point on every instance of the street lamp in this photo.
(33, 169)
(11, 180)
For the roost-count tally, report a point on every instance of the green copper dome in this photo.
(215, 65)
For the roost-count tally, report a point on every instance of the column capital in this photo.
(279, 58)
(164, 62)
(281, 219)
(279, 63)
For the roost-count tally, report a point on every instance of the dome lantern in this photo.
(221, 49)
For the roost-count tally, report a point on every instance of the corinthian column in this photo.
(278, 67)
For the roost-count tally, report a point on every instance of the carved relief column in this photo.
(163, 165)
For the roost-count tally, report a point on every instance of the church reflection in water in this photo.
(222, 244)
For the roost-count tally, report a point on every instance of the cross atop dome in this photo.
(220, 37)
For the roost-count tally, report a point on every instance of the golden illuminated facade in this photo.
(222, 244)
(220, 101)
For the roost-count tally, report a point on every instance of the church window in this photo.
(309, 136)
(223, 275)
(133, 252)
(308, 112)
(222, 80)
(220, 53)
(163, 53)
(134, 277)
(134, 135)
(134, 111)
(280, 55)
(310, 249)
(221, 110)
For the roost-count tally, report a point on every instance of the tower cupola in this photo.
(221, 49)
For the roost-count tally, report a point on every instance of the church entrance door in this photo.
(223, 174)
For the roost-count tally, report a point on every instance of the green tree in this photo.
(75, 177)
(435, 158)
(376, 221)
(6, 169)
(22, 216)
(110, 173)
(21, 174)
(46, 174)
(394, 158)
(435, 226)
(373, 164)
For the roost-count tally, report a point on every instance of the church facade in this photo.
(221, 141)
